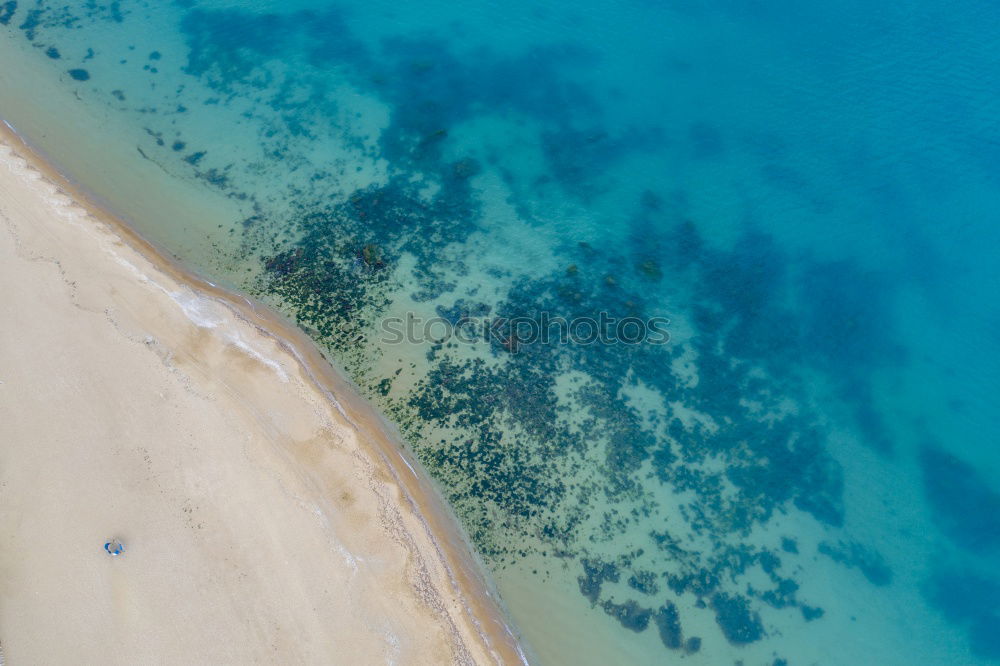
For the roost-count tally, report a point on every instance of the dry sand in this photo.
(262, 522)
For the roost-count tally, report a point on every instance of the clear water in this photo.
(806, 472)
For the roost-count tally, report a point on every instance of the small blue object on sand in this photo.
(114, 547)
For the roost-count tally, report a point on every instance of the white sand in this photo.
(259, 524)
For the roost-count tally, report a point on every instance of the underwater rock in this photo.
(651, 270)
(371, 254)
(79, 74)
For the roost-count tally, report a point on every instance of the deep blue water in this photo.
(806, 471)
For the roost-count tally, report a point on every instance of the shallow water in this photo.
(803, 471)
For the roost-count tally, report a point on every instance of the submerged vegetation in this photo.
(643, 469)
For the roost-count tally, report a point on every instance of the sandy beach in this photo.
(266, 513)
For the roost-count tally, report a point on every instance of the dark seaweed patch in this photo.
(7, 10)
(736, 620)
(346, 251)
(773, 465)
(435, 88)
(225, 47)
(45, 16)
(79, 74)
(429, 87)
(644, 582)
(969, 599)
(53, 53)
(810, 613)
(595, 573)
(576, 158)
(231, 47)
(965, 506)
(866, 560)
(631, 615)
(31, 22)
(782, 595)
(845, 315)
(668, 623)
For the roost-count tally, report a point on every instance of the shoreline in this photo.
(434, 534)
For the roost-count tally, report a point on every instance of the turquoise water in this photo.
(804, 472)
